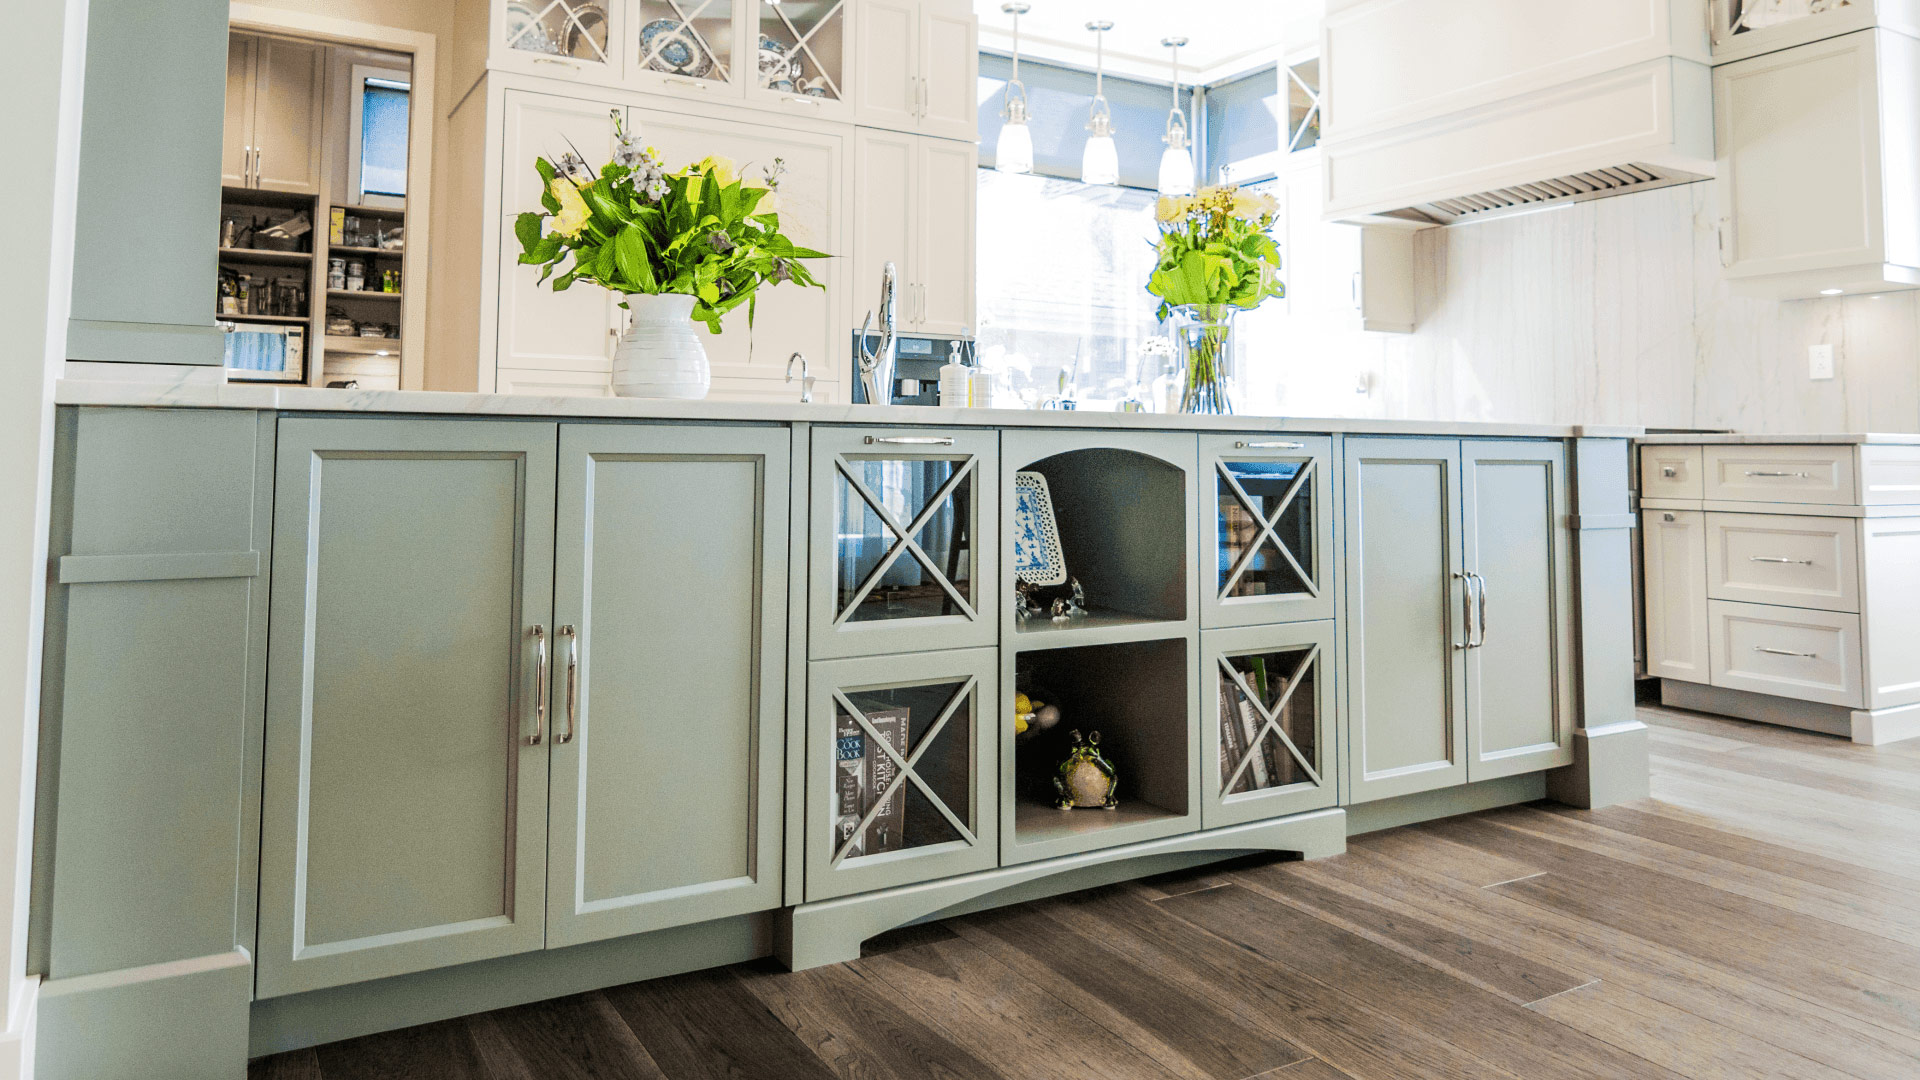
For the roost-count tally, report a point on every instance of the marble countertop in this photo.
(196, 394)
(1860, 438)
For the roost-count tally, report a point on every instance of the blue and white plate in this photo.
(1037, 558)
(679, 52)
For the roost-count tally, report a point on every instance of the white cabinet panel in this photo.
(1780, 474)
(288, 81)
(236, 133)
(1675, 544)
(888, 81)
(943, 275)
(883, 229)
(1670, 472)
(949, 58)
(787, 318)
(1788, 652)
(1810, 562)
(539, 329)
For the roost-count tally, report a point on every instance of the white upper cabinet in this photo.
(916, 196)
(920, 63)
(1819, 149)
(803, 65)
(1743, 28)
(560, 39)
(271, 136)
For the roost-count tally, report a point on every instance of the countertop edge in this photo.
(104, 392)
(1856, 438)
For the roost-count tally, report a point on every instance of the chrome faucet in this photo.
(806, 380)
(876, 364)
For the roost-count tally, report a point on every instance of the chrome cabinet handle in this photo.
(1786, 652)
(246, 166)
(1466, 608)
(1669, 471)
(573, 680)
(1481, 584)
(1781, 561)
(1269, 446)
(697, 84)
(1783, 475)
(256, 166)
(557, 62)
(539, 687)
(911, 440)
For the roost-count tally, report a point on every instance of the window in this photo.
(1243, 128)
(379, 135)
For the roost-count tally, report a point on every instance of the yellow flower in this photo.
(573, 215)
(1170, 209)
(1250, 206)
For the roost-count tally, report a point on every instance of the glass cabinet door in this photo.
(1269, 704)
(563, 38)
(1270, 506)
(1751, 27)
(801, 54)
(691, 47)
(903, 552)
(901, 757)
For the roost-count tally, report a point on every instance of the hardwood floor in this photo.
(1759, 917)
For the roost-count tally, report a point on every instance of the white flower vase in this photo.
(660, 355)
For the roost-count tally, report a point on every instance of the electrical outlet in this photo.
(1819, 361)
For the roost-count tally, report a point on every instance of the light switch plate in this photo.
(1819, 361)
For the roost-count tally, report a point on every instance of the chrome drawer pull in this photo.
(1482, 583)
(1786, 475)
(1779, 560)
(539, 687)
(1669, 471)
(1786, 652)
(911, 440)
(573, 679)
(1269, 446)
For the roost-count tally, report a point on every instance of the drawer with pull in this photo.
(1670, 472)
(1787, 652)
(1821, 475)
(1807, 562)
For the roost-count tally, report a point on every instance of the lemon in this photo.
(1019, 725)
(1021, 704)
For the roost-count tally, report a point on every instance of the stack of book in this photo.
(861, 773)
(1240, 725)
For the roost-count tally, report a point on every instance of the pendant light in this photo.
(1100, 161)
(1176, 162)
(1013, 150)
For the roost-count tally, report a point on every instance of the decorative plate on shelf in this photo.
(1037, 557)
(678, 52)
(525, 31)
(773, 61)
(587, 32)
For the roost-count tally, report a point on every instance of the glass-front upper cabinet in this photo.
(902, 767)
(1300, 86)
(573, 39)
(1270, 502)
(693, 48)
(1271, 703)
(1743, 28)
(903, 549)
(801, 57)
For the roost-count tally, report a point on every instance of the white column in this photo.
(40, 128)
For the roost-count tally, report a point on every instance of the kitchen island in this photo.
(368, 709)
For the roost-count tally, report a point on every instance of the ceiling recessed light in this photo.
(1831, 292)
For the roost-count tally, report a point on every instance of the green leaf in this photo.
(630, 253)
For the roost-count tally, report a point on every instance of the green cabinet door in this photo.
(1267, 707)
(1406, 632)
(1266, 519)
(669, 685)
(405, 799)
(1517, 544)
(903, 553)
(901, 768)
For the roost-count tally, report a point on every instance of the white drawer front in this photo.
(1787, 652)
(1781, 474)
(1808, 562)
(1670, 472)
(1890, 475)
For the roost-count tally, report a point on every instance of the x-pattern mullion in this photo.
(904, 767)
(906, 534)
(1306, 118)
(1271, 718)
(800, 39)
(573, 17)
(1267, 527)
(686, 23)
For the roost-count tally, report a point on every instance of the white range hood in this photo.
(1446, 111)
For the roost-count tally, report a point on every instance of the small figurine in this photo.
(1086, 778)
(1060, 602)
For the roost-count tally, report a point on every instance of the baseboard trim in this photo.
(1882, 726)
(1760, 708)
(1421, 806)
(177, 1019)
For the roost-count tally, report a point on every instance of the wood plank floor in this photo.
(1759, 917)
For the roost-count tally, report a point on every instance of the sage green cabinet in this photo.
(1406, 630)
(903, 553)
(669, 685)
(405, 801)
(902, 762)
(1517, 546)
(1459, 613)
(1267, 509)
(1267, 708)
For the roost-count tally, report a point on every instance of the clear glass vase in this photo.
(1203, 347)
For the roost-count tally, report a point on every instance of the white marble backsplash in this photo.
(1608, 312)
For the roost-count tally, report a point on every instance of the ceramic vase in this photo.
(660, 355)
(1203, 347)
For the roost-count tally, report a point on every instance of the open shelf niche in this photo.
(1122, 521)
(1137, 695)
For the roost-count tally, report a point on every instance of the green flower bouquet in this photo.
(1217, 257)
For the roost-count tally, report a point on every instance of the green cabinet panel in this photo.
(154, 686)
(1268, 704)
(669, 687)
(1518, 546)
(1266, 520)
(903, 554)
(929, 808)
(405, 801)
(1406, 627)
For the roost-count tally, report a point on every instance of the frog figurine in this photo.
(1086, 777)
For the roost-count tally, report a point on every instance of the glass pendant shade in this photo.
(1100, 161)
(1013, 151)
(1176, 171)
